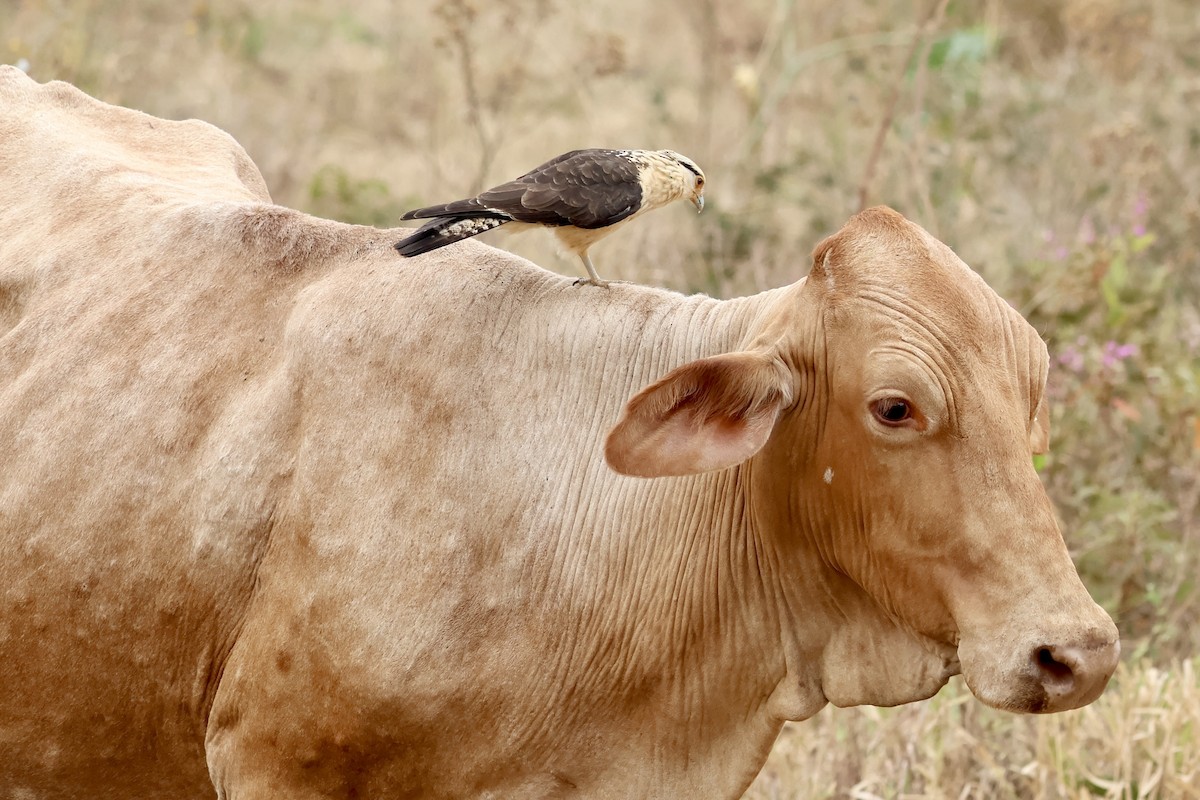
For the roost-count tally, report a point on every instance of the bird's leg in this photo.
(593, 276)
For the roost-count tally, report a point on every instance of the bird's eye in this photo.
(699, 181)
(892, 411)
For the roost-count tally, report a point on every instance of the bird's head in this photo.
(692, 176)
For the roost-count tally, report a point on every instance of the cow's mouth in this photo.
(946, 653)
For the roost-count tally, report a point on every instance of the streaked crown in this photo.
(683, 161)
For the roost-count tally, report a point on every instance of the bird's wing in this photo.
(569, 155)
(584, 188)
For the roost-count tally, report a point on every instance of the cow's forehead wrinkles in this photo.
(949, 328)
(983, 344)
(925, 340)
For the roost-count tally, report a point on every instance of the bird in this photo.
(583, 195)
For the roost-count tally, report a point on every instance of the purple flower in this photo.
(1072, 358)
(1140, 206)
(1115, 353)
(1087, 230)
(1140, 209)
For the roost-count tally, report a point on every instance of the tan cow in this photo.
(285, 514)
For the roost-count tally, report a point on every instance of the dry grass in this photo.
(1054, 143)
(1141, 739)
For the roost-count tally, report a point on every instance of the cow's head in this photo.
(886, 410)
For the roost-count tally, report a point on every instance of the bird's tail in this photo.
(446, 230)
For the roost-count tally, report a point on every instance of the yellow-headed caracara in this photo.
(584, 195)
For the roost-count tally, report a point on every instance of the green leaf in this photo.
(967, 46)
(254, 39)
(1115, 279)
(1139, 243)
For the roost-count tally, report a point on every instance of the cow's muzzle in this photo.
(1048, 673)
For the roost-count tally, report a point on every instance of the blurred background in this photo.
(1054, 144)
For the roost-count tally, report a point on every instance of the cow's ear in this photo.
(1039, 434)
(708, 414)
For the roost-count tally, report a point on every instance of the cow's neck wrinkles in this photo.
(662, 601)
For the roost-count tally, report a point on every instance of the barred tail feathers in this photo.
(446, 230)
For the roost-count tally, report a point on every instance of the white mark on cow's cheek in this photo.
(829, 474)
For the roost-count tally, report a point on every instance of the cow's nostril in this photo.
(1053, 669)
(1072, 675)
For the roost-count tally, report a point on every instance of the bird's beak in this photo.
(698, 202)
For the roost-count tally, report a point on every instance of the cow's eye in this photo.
(892, 410)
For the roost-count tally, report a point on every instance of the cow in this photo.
(283, 515)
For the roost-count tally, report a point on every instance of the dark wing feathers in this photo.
(587, 206)
(554, 162)
(583, 188)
